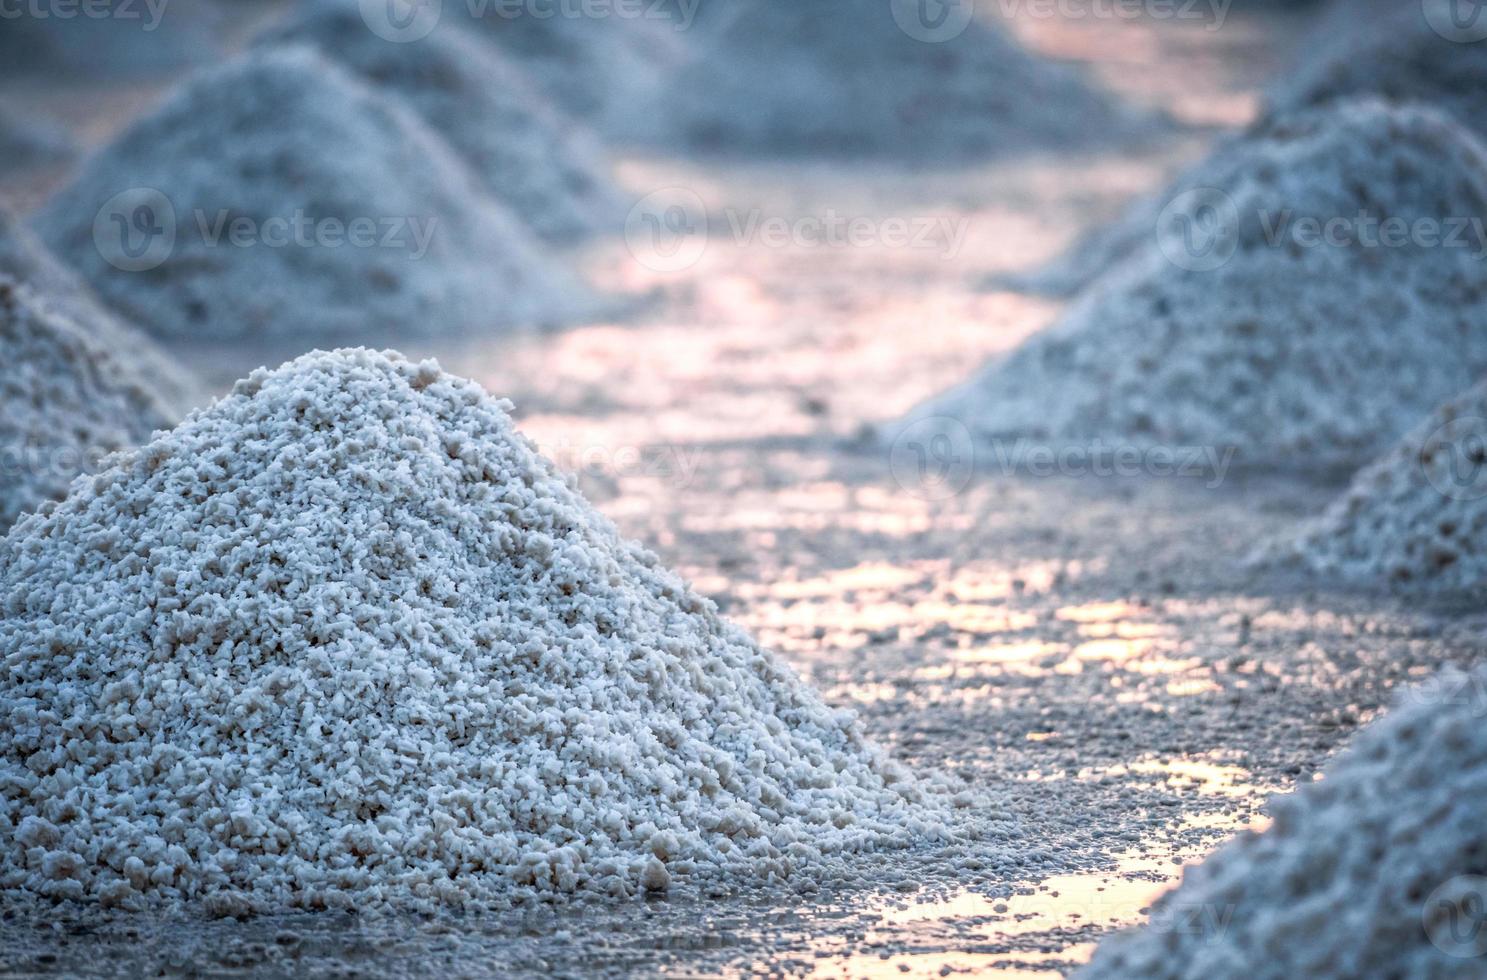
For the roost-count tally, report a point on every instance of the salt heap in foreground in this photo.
(345, 638)
(1415, 519)
(1379, 870)
(68, 398)
(289, 198)
(848, 76)
(1247, 335)
(544, 166)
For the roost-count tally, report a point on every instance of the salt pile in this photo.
(345, 638)
(1287, 350)
(67, 400)
(27, 262)
(29, 143)
(1404, 52)
(1415, 519)
(544, 166)
(849, 77)
(608, 68)
(1376, 871)
(277, 194)
(1373, 50)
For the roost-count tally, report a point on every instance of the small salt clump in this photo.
(1416, 519)
(1238, 330)
(346, 639)
(1378, 870)
(545, 166)
(278, 195)
(68, 398)
(851, 76)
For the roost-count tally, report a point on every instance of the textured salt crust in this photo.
(345, 638)
(67, 400)
(545, 166)
(29, 142)
(844, 77)
(280, 134)
(1415, 519)
(1308, 356)
(27, 261)
(1347, 882)
(1390, 51)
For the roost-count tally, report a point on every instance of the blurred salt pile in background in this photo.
(736, 263)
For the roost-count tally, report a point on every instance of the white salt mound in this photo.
(1315, 355)
(27, 261)
(302, 203)
(1395, 51)
(611, 72)
(1376, 871)
(545, 166)
(844, 77)
(345, 638)
(26, 142)
(1415, 519)
(67, 400)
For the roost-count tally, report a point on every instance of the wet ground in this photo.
(1088, 650)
